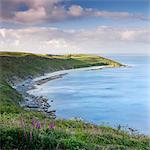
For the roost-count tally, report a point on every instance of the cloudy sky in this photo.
(75, 26)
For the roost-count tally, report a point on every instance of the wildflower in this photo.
(33, 122)
(38, 125)
(31, 136)
(51, 125)
(25, 135)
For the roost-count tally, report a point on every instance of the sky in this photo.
(75, 26)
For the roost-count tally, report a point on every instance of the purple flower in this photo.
(51, 125)
(33, 122)
(30, 135)
(38, 125)
(25, 135)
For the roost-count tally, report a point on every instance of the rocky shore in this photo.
(40, 103)
(36, 103)
(42, 81)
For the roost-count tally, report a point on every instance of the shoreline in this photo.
(41, 103)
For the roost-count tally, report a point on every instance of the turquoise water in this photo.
(109, 96)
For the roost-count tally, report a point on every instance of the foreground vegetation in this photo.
(28, 130)
(35, 131)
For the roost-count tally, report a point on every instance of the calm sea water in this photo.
(111, 96)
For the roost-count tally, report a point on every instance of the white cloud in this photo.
(59, 44)
(38, 11)
(75, 10)
(96, 40)
(31, 16)
(119, 15)
(2, 33)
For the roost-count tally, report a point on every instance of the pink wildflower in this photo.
(25, 135)
(33, 122)
(51, 125)
(38, 125)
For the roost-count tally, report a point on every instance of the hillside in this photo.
(29, 130)
(16, 67)
(22, 65)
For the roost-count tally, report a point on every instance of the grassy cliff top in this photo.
(16, 65)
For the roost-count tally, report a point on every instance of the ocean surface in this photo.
(109, 96)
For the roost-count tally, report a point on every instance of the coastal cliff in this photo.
(37, 131)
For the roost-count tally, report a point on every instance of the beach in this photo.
(40, 103)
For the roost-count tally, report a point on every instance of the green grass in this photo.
(68, 134)
(9, 98)
(16, 66)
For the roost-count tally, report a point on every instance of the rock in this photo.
(51, 111)
(40, 110)
(45, 100)
(31, 104)
(45, 110)
(47, 104)
(26, 99)
(27, 108)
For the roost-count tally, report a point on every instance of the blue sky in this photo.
(131, 6)
(52, 21)
(118, 5)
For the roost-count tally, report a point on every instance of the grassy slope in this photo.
(67, 134)
(22, 65)
(17, 66)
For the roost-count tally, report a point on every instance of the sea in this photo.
(109, 96)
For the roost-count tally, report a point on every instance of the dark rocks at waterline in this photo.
(31, 102)
(51, 113)
(38, 103)
(44, 80)
(43, 102)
